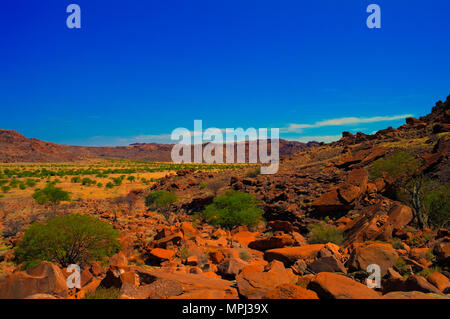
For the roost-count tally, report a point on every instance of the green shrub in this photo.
(323, 233)
(22, 186)
(6, 189)
(75, 179)
(30, 183)
(72, 239)
(436, 204)
(202, 185)
(117, 181)
(398, 166)
(50, 194)
(233, 209)
(87, 181)
(160, 199)
(103, 293)
(14, 183)
(109, 185)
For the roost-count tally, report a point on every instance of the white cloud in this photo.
(317, 138)
(343, 121)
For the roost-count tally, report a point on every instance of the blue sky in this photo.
(136, 70)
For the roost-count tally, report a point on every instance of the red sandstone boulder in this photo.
(276, 241)
(160, 255)
(333, 286)
(439, 281)
(289, 255)
(290, 291)
(46, 278)
(254, 281)
(381, 254)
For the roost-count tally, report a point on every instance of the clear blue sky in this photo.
(138, 69)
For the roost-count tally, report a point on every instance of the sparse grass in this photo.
(322, 233)
(397, 243)
(103, 293)
(244, 254)
(400, 266)
(428, 271)
(127, 174)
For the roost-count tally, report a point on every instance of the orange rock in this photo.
(333, 286)
(381, 254)
(244, 237)
(231, 266)
(118, 260)
(349, 192)
(130, 277)
(280, 225)
(408, 295)
(187, 228)
(290, 291)
(193, 283)
(254, 281)
(45, 278)
(371, 188)
(160, 254)
(96, 269)
(89, 288)
(192, 261)
(290, 255)
(380, 184)
(217, 256)
(272, 242)
(439, 281)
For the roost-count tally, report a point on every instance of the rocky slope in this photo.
(180, 257)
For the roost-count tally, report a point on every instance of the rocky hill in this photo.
(327, 218)
(14, 147)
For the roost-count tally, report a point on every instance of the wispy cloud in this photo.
(343, 121)
(317, 138)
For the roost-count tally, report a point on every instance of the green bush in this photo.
(233, 209)
(75, 179)
(160, 199)
(109, 185)
(50, 194)
(398, 166)
(30, 183)
(6, 189)
(72, 239)
(323, 233)
(436, 204)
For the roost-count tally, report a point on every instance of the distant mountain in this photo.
(14, 147)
